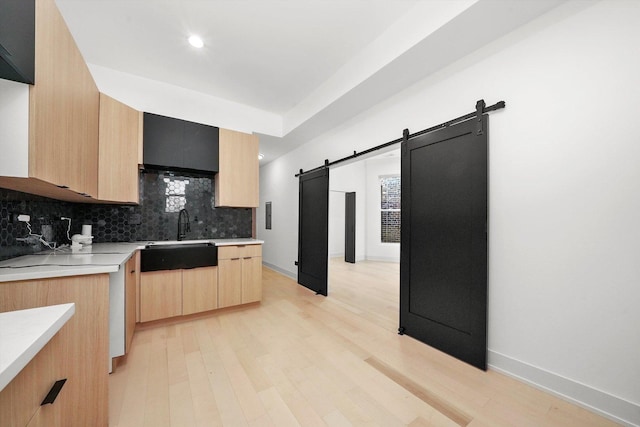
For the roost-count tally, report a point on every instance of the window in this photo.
(175, 194)
(390, 209)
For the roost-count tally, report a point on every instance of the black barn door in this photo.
(313, 230)
(443, 271)
(350, 227)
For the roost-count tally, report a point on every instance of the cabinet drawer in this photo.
(229, 252)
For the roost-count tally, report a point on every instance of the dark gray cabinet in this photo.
(179, 144)
(17, 40)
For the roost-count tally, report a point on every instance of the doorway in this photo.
(370, 285)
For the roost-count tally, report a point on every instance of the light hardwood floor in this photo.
(302, 359)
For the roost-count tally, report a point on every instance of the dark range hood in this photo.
(180, 145)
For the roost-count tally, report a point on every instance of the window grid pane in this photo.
(390, 209)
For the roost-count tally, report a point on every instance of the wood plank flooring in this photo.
(302, 359)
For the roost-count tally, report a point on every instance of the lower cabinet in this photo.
(229, 280)
(170, 293)
(199, 290)
(239, 275)
(20, 399)
(251, 279)
(236, 280)
(79, 353)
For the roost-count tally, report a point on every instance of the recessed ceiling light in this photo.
(260, 156)
(196, 41)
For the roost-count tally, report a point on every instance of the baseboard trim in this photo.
(607, 405)
(287, 273)
(383, 259)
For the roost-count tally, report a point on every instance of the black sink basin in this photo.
(174, 257)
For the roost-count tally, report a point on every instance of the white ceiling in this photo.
(311, 63)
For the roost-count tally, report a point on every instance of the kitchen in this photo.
(164, 235)
(41, 179)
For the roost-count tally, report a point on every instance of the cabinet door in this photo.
(64, 104)
(200, 147)
(162, 141)
(199, 290)
(251, 279)
(160, 294)
(236, 183)
(20, 399)
(118, 148)
(130, 300)
(229, 282)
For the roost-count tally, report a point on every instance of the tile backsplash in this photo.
(162, 195)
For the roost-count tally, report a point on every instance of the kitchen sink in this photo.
(178, 255)
(177, 242)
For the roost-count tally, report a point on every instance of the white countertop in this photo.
(23, 333)
(95, 259)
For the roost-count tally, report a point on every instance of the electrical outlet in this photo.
(13, 217)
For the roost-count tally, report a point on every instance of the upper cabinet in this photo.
(118, 151)
(61, 160)
(178, 144)
(17, 40)
(236, 184)
(64, 103)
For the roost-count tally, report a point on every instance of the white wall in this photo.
(342, 179)
(157, 97)
(14, 129)
(564, 194)
(376, 250)
(336, 224)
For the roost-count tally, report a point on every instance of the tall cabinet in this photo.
(64, 103)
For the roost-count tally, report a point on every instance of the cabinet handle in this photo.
(53, 393)
(133, 271)
(247, 257)
(234, 259)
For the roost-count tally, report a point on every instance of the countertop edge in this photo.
(49, 272)
(50, 320)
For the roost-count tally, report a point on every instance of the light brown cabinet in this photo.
(229, 282)
(119, 140)
(239, 275)
(20, 400)
(160, 294)
(236, 183)
(63, 108)
(79, 352)
(62, 158)
(170, 293)
(199, 290)
(63, 131)
(251, 279)
(132, 268)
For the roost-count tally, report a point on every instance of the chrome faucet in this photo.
(183, 227)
